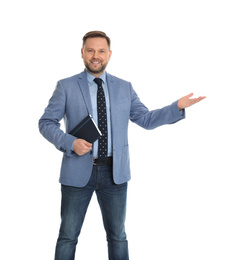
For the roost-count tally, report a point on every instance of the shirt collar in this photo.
(90, 77)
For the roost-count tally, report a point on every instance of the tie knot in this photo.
(98, 81)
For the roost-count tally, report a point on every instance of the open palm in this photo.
(187, 101)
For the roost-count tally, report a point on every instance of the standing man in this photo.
(101, 167)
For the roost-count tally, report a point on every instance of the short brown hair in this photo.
(95, 34)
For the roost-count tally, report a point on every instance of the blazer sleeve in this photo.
(141, 115)
(49, 125)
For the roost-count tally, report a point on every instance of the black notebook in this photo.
(87, 130)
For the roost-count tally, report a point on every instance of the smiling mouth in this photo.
(95, 62)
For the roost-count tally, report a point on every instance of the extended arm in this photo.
(166, 115)
(150, 119)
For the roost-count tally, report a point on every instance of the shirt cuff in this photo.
(72, 147)
(182, 112)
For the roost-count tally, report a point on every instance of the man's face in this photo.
(96, 55)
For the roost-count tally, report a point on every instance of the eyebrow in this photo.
(94, 49)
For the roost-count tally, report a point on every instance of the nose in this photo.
(95, 55)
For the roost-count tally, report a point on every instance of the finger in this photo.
(189, 95)
(85, 150)
(196, 100)
(87, 143)
(200, 98)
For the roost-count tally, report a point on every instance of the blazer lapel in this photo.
(83, 84)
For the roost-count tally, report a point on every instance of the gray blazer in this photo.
(71, 101)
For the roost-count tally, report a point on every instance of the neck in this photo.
(97, 75)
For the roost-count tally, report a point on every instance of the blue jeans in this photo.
(112, 201)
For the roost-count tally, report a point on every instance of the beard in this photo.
(101, 69)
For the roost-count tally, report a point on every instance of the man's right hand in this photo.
(81, 147)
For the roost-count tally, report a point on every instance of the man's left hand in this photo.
(186, 101)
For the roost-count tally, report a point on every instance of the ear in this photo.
(82, 52)
(110, 53)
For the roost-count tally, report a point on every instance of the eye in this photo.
(102, 51)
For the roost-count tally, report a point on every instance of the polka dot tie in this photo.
(102, 120)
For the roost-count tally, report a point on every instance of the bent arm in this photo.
(49, 125)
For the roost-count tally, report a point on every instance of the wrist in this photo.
(179, 107)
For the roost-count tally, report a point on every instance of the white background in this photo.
(179, 196)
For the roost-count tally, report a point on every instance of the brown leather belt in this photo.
(98, 162)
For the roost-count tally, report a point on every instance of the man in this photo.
(101, 167)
